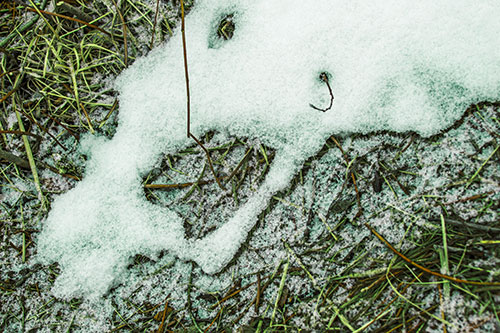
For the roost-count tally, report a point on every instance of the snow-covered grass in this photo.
(309, 262)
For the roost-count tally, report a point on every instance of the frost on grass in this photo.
(397, 65)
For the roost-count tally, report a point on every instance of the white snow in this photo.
(395, 65)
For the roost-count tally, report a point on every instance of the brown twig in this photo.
(201, 182)
(41, 127)
(87, 117)
(7, 95)
(217, 179)
(186, 74)
(21, 133)
(213, 321)
(76, 136)
(447, 277)
(21, 162)
(113, 108)
(154, 24)
(90, 25)
(473, 197)
(9, 72)
(124, 32)
(164, 314)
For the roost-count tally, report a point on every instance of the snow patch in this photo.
(393, 65)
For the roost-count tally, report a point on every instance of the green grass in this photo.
(334, 274)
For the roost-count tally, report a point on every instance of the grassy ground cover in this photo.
(325, 263)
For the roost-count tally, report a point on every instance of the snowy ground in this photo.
(308, 260)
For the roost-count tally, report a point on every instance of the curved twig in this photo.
(408, 260)
(324, 77)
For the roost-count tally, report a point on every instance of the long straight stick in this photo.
(186, 74)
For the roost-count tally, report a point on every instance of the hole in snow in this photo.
(226, 27)
(324, 76)
(184, 183)
(222, 29)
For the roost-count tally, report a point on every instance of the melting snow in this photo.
(395, 65)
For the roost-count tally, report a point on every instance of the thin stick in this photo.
(201, 182)
(186, 74)
(42, 128)
(124, 32)
(113, 108)
(4, 155)
(217, 179)
(21, 133)
(154, 25)
(7, 95)
(213, 321)
(68, 18)
(447, 277)
(234, 293)
(160, 329)
(77, 137)
(9, 72)
(88, 118)
(189, 134)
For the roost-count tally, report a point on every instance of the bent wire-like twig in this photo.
(324, 77)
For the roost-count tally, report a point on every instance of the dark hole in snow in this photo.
(226, 27)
